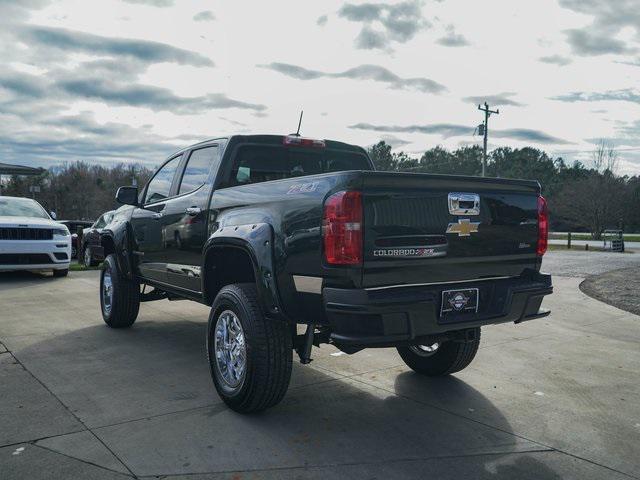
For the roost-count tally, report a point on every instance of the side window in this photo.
(198, 168)
(160, 185)
(100, 222)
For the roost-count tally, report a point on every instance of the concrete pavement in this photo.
(549, 399)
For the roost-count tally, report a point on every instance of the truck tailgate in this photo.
(421, 228)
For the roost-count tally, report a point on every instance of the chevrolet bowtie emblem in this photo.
(464, 227)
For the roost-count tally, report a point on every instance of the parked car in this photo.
(74, 226)
(30, 239)
(302, 231)
(89, 255)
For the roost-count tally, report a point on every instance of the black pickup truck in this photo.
(274, 232)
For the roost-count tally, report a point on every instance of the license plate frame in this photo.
(448, 304)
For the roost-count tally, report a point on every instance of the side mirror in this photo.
(53, 215)
(127, 196)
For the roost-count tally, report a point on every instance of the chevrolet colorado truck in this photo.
(280, 232)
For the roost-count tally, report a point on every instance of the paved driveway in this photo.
(555, 398)
(576, 263)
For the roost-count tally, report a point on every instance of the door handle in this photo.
(157, 216)
(193, 211)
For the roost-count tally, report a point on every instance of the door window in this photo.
(198, 167)
(160, 185)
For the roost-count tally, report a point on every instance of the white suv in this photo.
(30, 239)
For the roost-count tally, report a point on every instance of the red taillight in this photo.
(342, 228)
(295, 141)
(543, 226)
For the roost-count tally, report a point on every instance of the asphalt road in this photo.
(549, 399)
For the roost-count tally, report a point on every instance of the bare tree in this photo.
(598, 200)
(605, 157)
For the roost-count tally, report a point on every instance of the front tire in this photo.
(119, 296)
(250, 356)
(442, 358)
(87, 258)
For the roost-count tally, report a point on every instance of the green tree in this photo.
(382, 157)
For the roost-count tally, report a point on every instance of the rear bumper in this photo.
(397, 315)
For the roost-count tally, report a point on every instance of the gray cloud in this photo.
(498, 99)
(13, 11)
(608, 20)
(55, 139)
(361, 72)
(556, 60)
(447, 130)
(369, 39)
(623, 95)
(148, 96)
(394, 141)
(453, 39)
(385, 23)
(22, 85)
(586, 42)
(322, 20)
(143, 50)
(528, 135)
(153, 3)
(27, 91)
(204, 16)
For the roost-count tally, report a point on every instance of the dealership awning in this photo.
(8, 169)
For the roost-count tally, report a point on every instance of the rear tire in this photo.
(119, 296)
(449, 356)
(60, 273)
(251, 363)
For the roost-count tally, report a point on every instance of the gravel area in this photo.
(582, 264)
(620, 288)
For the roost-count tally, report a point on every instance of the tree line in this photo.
(77, 191)
(581, 198)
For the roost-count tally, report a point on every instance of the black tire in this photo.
(450, 357)
(125, 298)
(61, 273)
(268, 347)
(88, 262)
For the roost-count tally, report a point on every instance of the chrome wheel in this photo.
(230, 349)
(107, 292)
(425, 350)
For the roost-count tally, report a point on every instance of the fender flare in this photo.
(256, 240)
(119, 234)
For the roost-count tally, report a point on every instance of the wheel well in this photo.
(224, 266)
(108, 245)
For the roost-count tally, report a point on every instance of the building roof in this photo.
(8, 169)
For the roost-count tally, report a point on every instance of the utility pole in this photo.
(487, 114)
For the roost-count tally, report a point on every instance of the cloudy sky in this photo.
(133, 80)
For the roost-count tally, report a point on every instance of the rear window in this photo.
(255, 164)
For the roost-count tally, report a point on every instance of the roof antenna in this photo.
(297, 134)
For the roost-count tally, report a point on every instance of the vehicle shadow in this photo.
(146, 392)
